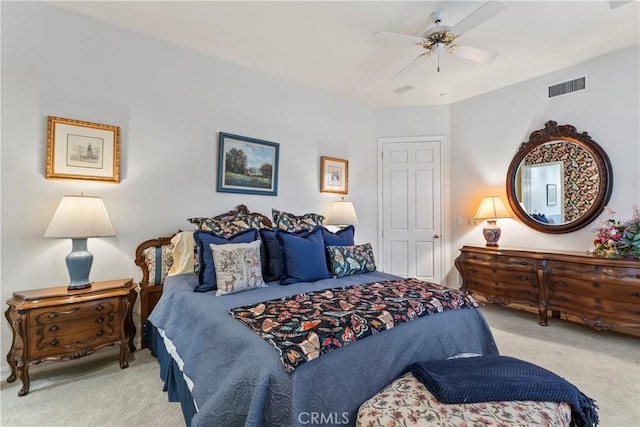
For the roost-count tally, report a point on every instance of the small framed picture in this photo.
(552, 194)
(247, 165)
(82, 150)
(334, 175)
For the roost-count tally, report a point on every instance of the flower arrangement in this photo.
(617, 239)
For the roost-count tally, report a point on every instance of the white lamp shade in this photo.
(492, 207)
(342, 213)
(80, 217)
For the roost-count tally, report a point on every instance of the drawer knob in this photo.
(52, 315)
(100, 319)
(55, 341)
(54, 328)
(100, 333)
(100, 307)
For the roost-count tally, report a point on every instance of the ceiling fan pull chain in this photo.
(438, 61)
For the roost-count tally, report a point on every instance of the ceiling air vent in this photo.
(571, 86)
(404, 89)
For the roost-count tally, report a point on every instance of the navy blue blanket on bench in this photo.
(502, 378)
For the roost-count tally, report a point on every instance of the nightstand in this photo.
(60, 324)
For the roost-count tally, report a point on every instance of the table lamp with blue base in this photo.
(78, 218)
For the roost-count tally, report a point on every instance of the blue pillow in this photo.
(303, 255)
(343, 237)
(271, 255)
(203, 239)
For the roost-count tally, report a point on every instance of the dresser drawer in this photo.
(74, 327)
(607, 283)
(504, 288)
(502, 279)
(594, 307)
(500, 261)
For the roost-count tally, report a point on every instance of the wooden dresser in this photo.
(600, 292)
(57, 324)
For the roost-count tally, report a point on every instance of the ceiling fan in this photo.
(440, 38)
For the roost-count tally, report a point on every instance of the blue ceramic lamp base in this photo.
(79, 264)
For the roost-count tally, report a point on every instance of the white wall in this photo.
(486, 132)
(170, 104)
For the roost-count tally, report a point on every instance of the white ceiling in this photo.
(329, 45)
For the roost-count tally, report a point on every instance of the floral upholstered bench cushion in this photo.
(407, 402)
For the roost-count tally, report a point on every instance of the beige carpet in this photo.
(605, 366)
(96, 392)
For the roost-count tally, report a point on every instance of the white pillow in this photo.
(238, 267)
(183, 253)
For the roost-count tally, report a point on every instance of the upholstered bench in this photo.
(406, 401)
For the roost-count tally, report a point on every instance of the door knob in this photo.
(436, 236)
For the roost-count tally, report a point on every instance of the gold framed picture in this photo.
(334, 175)
(82, 150)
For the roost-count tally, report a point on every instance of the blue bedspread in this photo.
(238, 379)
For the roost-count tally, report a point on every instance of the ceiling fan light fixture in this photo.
(444, 29)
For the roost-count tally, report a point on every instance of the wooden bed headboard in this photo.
(149, 293)
(146, 258)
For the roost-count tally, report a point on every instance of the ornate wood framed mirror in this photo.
(559, 180)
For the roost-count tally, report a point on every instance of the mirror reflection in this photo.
(559, 180)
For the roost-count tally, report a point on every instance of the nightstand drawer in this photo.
(91, 311)
(74, 327)
(55, 344)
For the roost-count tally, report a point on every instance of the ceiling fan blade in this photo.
(474, 54)
(613, 4)
(397, 37)
(411, 65)
(477, 17)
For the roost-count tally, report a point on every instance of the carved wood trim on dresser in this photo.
(603, 293)
(60, 324)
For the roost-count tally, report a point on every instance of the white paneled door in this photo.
(411, 207)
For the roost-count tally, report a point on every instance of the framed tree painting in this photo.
(247, 165)
(334, 175)
(82, 150)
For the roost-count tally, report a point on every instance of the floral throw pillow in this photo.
(348, 260)
(227, 226)
(238, 267)
(290, 222)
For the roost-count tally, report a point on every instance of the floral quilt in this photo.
(302, 327)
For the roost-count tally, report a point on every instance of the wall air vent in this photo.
(404, 89)
(571, 86)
